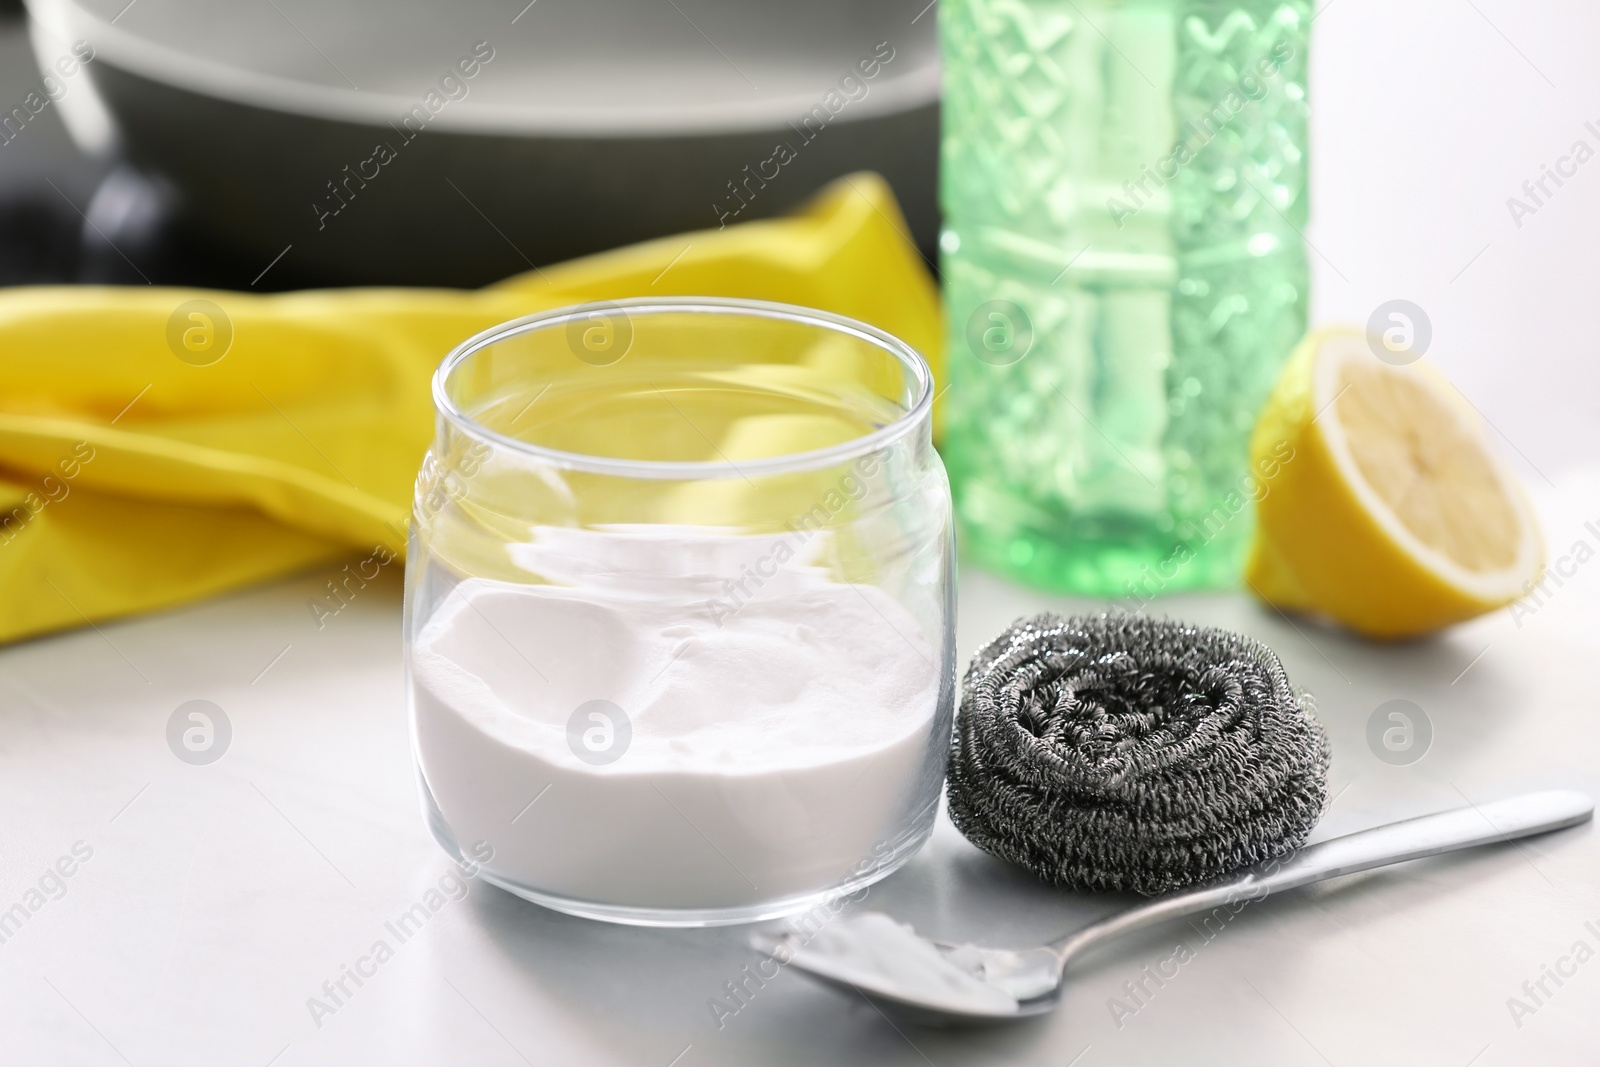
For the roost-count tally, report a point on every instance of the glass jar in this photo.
(680, 609)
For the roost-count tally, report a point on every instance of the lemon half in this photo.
(1392, 513)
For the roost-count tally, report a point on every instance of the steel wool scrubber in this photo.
(1132, 753)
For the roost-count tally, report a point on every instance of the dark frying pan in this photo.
(457, 143)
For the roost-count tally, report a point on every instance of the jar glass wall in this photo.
(679, 609)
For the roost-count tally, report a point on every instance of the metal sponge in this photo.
(1132, 753)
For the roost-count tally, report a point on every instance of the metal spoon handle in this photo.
(1427, 835)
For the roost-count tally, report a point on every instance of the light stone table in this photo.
(207, 905)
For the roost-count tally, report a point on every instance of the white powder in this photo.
(874, 952)
(773, 745)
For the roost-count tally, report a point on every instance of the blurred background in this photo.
(193, 150)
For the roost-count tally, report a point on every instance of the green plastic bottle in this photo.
(1124, 190)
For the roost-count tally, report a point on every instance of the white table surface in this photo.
(219, 898)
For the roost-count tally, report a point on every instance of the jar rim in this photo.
(903, 424)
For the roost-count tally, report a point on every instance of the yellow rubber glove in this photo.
(132, 479)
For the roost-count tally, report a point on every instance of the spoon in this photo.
(940, 984)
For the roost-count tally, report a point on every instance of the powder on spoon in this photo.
(875, 953)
